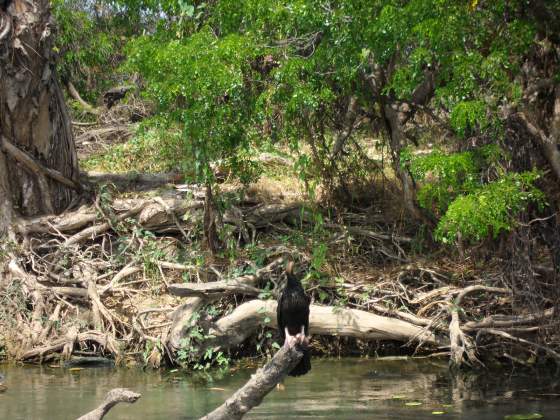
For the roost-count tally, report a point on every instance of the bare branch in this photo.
(243, 285)
(32, 165)
(112, 398)
(74, 94)
(260, 384)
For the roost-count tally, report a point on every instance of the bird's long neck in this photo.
(293, 281)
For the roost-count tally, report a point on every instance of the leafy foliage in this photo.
(468, 116)
(85, 45)
(233, 77)
(490, 209)
(189, 354)
(445, 176)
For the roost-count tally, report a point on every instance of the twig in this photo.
(521, 340)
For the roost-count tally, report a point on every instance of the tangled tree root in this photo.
(104, 281)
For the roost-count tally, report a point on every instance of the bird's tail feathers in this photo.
(303, 366)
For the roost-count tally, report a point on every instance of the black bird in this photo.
(293, 319)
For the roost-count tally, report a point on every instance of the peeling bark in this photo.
(33, 117)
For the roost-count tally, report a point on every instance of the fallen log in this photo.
(159, 214)
(247, 318)
(260, 384)
(215, 288)
(151, 215)
(112, 398)
(132, 179)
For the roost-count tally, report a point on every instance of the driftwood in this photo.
(260, 384)
(247, 318)
(245, 285)
(112, 398)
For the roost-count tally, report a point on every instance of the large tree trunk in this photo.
(38, 161)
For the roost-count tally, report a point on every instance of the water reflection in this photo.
(336, 389)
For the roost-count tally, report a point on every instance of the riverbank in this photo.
(128, 278)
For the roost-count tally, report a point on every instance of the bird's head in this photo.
(291, 277)
(290, 268)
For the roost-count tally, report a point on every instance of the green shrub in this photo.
(444, 177)
(489, 210)
(468, 116)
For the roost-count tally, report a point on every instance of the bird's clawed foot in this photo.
(290, 340)
(302, 340)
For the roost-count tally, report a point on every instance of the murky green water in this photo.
(335, 389)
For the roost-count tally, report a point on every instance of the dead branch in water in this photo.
(112, 398)
(260, 384)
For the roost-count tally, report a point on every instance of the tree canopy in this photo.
(320, 76)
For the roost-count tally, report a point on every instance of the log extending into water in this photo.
(260, 384)
(112, 398)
